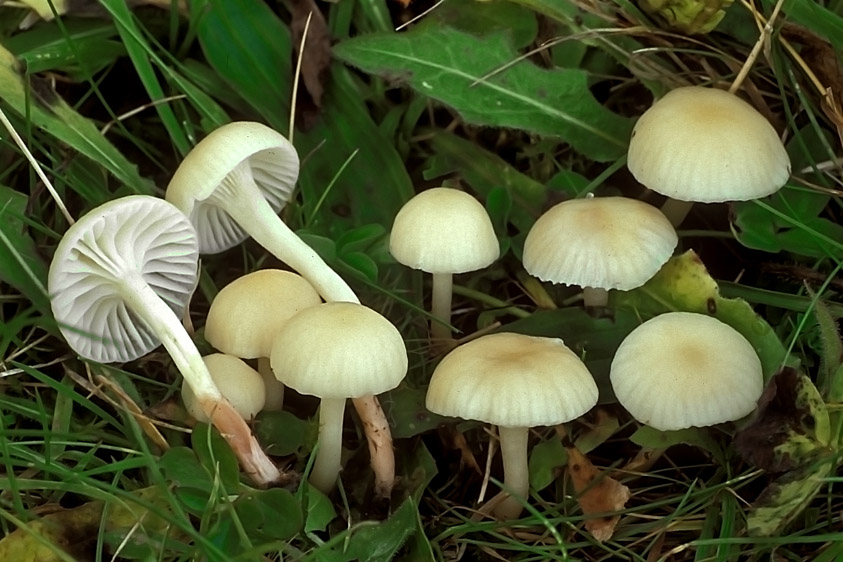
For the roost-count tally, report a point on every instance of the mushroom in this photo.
(337, 351)
(232, 185)
(515, 382)
(241, 385)
(683, 369)
(706, 145)
(119, 281)
(248, 313)
(599, 243)
(443, 231)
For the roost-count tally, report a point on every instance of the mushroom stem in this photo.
(379, 438)
(594, 296)
(513, 442)
(243, 200)
(440, 306)
(274, 387)
(160, 318)
(676, 210)
(326, 467)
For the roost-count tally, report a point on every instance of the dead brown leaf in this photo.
(316, 58)
(597, 494)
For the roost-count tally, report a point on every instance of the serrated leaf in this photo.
(684, 285)
(831, 358)
(49, 112)
(448, 65)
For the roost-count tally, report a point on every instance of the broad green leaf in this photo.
(320, 510)
(683, 284)
(831, 354)
(372, 187)
(282, 433)
(270, 514)
(485, 172)
(381, 543)
(216, 456)
(547, 462)
(250, 48)
(20, 264)
(646, 436)
(448, 65)
(484, 18)
(183, 470)
(49, 112)
(417, 468)
(407, 414)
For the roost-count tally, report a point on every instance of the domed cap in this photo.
(443, 230)
(130, 237)
(512, 380)
(707, 145)
(248, 313)
(339, 350)
(682, 369)
(600, 242)
(241, 385)
(274, 165)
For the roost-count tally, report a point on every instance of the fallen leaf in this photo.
(316, 58)
(597, 494)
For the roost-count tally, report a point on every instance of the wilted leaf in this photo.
(72, 533)
(683, 284)
(449, 66)
(316, 60)
(597, 495)
(791, 427)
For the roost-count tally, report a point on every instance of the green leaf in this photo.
(446, 65)
(547, 463)
(47, 111)
(831, 357)
(270, 514)
(282, 433)
(182, 470)
(320, 509)
(683, 284)
(407, 415)
(20, 264)
(250, 48)
(485, 18)
(381, 543)
(646, 436)
(216, 456)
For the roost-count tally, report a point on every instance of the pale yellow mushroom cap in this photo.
(601, 242)
(241, 385)
(512, 380)
(707, 145)
(339, 350)
(683, 369)
(443, 230)
(248, 313)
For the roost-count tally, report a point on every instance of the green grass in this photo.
(81, 468)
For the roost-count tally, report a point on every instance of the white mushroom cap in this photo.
(512, 380)
(683, 369)
(122, 238)
(241, 385)
(600, 242)
(707, 145)
(274, 165)
(339, 350)
(248, 313)
(443, 230)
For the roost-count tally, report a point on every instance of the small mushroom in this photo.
(443, 231)
(337, 351)
(706, 145)
(119, 282)
(599, 243)
(248, 313)
(241, 385)
(515, 382)
(683, 369)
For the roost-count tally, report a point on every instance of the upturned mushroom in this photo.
(683, 369)
(599, 243)
(706, 145)
(241, 385)
(515, 382)
(443, 231)
(248, 313)
(337, 351)
(119, 281)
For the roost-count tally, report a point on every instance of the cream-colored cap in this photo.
(272, 160)
(339, 350)
(682, 369)
(241, 385)
(248, 313)
(512, 380)
(443, 230)
(707, 145)
(600, 242)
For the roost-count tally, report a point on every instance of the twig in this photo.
(766, 31)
